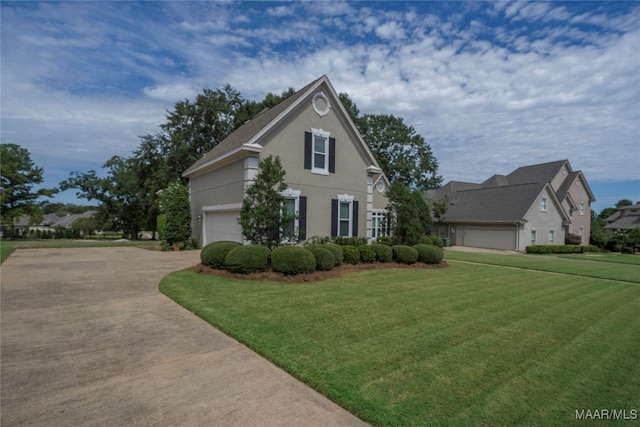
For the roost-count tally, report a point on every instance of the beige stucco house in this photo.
(334, 182)
(533, 205)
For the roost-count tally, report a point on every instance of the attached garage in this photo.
(221, 225)
(491, 237)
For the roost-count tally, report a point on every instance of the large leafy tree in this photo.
(118, 193)
(263, 216)
(402, 153)
(195, 127)
(19, 176)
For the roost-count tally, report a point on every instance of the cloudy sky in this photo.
(490, 85)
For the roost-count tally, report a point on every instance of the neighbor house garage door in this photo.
(490, 237)
(222, 226)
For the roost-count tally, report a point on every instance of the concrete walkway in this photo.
(87, 339)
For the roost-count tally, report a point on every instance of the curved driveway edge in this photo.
(87, 339)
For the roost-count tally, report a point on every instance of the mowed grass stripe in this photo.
(575, 266)
(469, 345)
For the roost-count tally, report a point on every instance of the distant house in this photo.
(626, 218)
(537, 204)
(335, 184)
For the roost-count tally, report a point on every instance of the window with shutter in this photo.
(319, 152)
(344, 216)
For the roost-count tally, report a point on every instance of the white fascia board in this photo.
(265, 130)
(247, 147)
(222, 208)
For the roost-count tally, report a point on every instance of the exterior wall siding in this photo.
(542, 222)
(580, 195)
(350, 177)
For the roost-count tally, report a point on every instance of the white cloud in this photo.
(540, 86)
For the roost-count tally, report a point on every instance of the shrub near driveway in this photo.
(213, 254)
(248, 259)
(429, 254)
(293, 260)
(404, 254)
(324, 258)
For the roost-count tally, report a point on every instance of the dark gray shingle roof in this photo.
(496, 204)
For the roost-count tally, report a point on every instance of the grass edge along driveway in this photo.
(473, 344)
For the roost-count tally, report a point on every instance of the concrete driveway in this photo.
(87, 339)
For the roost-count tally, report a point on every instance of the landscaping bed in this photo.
(316, 276)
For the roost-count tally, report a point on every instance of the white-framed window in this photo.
(320, 152)
(533, 237)
(581, 208)
(345, 215)
(379, 223)
(291, 205)
(581, 234)
(552, 235)
(543, 204)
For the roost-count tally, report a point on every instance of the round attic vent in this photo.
(321, 103)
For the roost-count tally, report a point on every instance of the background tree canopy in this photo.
(402, 153)
(18, 176)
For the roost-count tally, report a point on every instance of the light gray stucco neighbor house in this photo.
(334, 182)
(533, 205)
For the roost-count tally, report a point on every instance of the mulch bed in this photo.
(272, 276)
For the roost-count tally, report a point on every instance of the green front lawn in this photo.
(576, 265)
(472, 344)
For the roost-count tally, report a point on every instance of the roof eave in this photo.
(226, 158)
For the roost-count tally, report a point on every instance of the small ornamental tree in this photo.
(409, 213)
(264, 218)
(174, 203)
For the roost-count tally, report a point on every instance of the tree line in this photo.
(128, 190)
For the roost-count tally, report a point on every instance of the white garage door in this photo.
(490, 237)
(222, 226)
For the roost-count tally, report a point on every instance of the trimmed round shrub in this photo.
(337, 252)
(429, 254)
(437, 241)
(292, 260)
(384, 253)
(385, 240)
(213, 254)
(426, 240)
(404, 254)
(247, 259)
(324, 258)
(350, 254)
(367, 255)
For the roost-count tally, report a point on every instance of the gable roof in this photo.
(508, 203)
(508, 197)
(626, 218)
(248, 136)
(542, 172)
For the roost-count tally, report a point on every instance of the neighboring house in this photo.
(624, 219)
(537, 204)
(334, 183)
(49, 222)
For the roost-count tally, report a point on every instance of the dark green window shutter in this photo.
(332, 155)
(308, 141)
(334, 217)
(354, 213)
(302, 221)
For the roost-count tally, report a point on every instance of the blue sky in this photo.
(490, 85)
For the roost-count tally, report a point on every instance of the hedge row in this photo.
(560, 249)
(293, 260)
